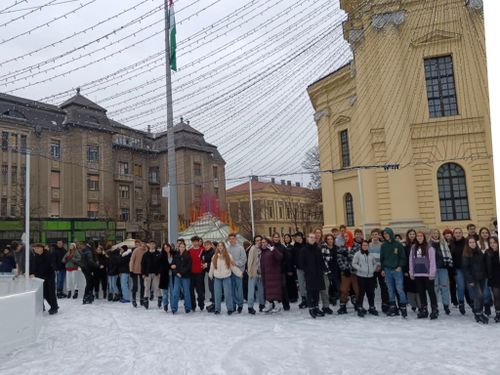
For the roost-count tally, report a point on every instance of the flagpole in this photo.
(172, 173)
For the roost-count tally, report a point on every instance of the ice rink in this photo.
(112, 338)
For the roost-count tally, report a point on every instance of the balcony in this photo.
(124, 177)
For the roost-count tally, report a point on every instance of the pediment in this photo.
(341, 120)
(436, 36)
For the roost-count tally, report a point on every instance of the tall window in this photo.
(138, 170)
(197, 169)
(93, 154)
(93, 182)
(55, 184)
(345, 155)
(139, 215)
(440, 81)
(124, 191)
(13, 172)
(154, 175)
(24, 143)
(92, 210)
(55, 149)
(5, 174)
(197, 193)
(138, 193)
(452, 187)
(55, 209)
(215, 172)
(123, 168)
(124, 214)
(5, 141)
(155, 196)
(349, 210)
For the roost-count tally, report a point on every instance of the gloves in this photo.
(347, 273)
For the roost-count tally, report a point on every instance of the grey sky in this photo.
(241, 82)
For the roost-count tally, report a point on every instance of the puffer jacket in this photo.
(364, 264)
(474, 267)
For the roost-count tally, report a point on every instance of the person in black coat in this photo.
(493, 270)
(311, 262)
(88, 266)
(206, 262)
(457, 246)
(181, 269)
(297, 250)
(113, 272)
(291, 277)
(474, 267)
(124, 271)
(58, 253)
(150, 270)
(101, 273)
(42, 266)
(166, 283)
(286, 268)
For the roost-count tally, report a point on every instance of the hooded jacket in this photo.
(422, 265)
(88, 262)
(392, 252)
(365, 264)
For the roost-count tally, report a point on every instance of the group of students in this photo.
(275, 272)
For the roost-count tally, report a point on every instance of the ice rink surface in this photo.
(112, 338)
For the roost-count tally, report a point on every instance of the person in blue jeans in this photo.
(240, 260)
(457, 246)
(181, 270)
(392, 261)
(254, 276)
(124, 272)
(58, 254)
(443, 263)
(221, 270)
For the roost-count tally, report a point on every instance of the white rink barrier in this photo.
(21, 309)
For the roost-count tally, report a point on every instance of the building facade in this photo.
(278, 207)
(94, 177)
(414, 95)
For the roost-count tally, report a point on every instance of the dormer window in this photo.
(13, 113)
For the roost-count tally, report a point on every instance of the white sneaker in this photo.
(276, 309)
(269, 307)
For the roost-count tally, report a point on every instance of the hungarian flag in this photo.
(172, 35)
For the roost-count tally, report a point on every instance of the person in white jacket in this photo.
(221, 272)
(366, 265)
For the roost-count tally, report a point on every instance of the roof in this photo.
(260, 186)
(82, 101)
(331, 74)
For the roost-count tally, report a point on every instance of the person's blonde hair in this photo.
(225, 255)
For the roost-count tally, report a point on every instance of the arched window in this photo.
(452, 188)
(349, 210)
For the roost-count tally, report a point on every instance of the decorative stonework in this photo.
(325, 112)
(439, 129)
(436, 36)
(379, 21)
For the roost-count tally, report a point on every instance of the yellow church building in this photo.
(415, 95)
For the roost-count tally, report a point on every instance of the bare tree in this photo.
(312, 165)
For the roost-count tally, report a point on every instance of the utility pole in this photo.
(172, 172)
(251, 206)
(27, 216)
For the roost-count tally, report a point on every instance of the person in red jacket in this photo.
(197, 273)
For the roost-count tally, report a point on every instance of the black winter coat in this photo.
(88, 263)
(102, 263)
(42, 266)
(58, 255)
(114, 263)
(297, 249)
(124, 263)
(287, 262)
(183, 264)
(151, 263)
(164, 271)
(493, 268)
(457, 252)
(311, 260)
(474, 267)
(206, 257)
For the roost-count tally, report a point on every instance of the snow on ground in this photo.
(112, 338)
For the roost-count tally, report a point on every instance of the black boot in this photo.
(312, 312)
(104, 295)
(327, 310)
(69, 295)
(251, 311)
(97, 295)
(434, 313)
(423, 313)
(159, 302)
(446, 309)
(393, 311)
(342, 310)
(461, 307)
(134, 303)
(53, 310)
(361, 312)
(373, 311)
(385, 308)
(481, 318)
(110, 297)
(165, 308)
(261, 308)
(318, 312)
(404, 312)
(497, 316)
(303, 304)
(487, 310)
(116, 298)
(145, 303)
(75, 296)
(211, 308)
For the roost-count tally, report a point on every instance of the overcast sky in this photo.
(243, 67)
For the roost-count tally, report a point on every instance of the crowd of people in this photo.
(417, 273)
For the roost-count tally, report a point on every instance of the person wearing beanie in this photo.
(345, 256)
(366, 265)
(71, 261)
(392, 261)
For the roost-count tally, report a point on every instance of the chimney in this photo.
(273, 180)
(149, 129)
(289, 183)
(297, 184)
(282, 182)
(182, 119)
